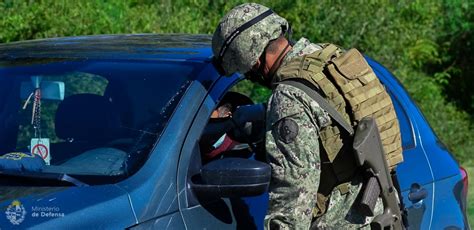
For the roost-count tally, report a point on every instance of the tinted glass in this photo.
(110, 116)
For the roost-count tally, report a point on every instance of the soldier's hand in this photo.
(249, 113)
(249, 122)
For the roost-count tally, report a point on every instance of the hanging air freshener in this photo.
(39, 145)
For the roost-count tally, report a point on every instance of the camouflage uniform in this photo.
(293, 124)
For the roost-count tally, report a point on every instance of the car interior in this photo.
(97, 127)
(225, 137)
(104, 126)
(232, 142)
(85, 122)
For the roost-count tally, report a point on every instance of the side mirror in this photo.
(232, 177)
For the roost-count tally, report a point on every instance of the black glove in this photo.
(249, 123)
(249, 113)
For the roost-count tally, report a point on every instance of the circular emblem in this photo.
(16, 212)
(40, 150)
(287, 130)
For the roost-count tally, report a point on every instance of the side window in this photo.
(221, 136)
(257, 93)
(234, 129)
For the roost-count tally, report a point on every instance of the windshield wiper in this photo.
(72, 180)
(28, 176)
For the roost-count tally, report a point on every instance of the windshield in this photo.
(87, 118)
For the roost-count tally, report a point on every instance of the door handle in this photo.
(417, 193)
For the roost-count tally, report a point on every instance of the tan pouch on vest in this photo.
(366, 96)
(349, 84)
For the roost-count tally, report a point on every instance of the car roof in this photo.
(109, 47)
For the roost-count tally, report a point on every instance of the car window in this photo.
(75, 83)
(233, 129)
(96, 118)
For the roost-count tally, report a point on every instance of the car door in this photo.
(200, 212)
(415, 175)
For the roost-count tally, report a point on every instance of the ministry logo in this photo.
(16, 212)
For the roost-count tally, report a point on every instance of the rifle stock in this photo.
(370, 155)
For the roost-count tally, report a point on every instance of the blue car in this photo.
(110, 132)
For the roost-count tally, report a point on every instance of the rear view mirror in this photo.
(50, 90)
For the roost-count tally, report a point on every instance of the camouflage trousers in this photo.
(341, 213)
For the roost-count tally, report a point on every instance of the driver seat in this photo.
(84, 121)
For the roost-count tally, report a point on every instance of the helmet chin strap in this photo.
(276, 65)
(259, 76)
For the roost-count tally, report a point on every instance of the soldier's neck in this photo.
(275, 59)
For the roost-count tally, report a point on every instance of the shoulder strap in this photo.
(322, 102)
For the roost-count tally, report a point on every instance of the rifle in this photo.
(370, 155)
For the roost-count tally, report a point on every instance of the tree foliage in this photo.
(427, 44)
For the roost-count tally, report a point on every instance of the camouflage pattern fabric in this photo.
(342, 210)
(293, 124)
(300, 48)
(293, 121)
(247, 47)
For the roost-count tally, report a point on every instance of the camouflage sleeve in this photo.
(293, 122)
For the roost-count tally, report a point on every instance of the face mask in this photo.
(257, 75)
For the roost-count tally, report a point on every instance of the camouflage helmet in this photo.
(242, 35)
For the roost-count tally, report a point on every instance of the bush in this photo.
(428, 44)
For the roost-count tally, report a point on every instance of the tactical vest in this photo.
(349, 84)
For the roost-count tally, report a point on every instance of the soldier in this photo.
(251, 39)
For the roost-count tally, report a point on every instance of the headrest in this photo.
(86, 117)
